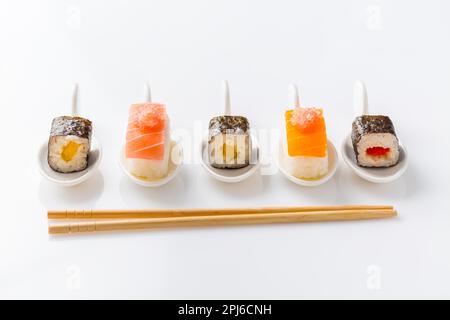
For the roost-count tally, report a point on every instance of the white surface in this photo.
(188, 48)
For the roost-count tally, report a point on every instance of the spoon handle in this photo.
(226, 99)
(75, 99)
(294, 97)
(148, 93)
(360, 100)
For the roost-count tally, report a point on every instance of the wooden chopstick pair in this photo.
(124, 220)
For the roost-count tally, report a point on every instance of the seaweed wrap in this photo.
(229, 142)
(69, 144)
(374, 141)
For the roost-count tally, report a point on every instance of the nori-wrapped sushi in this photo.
(374, 141)
(229, 142)
(69, 144)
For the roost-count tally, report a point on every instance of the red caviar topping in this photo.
(307, 119)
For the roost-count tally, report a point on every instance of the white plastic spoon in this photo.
(230, 175)
(376, 175)
(70, 179)
(333, 157)
(175, 158)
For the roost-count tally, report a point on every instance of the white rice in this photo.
(148, 169)
(77, 163)
(371, 140)
(305, 167)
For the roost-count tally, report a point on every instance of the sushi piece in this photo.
(229, 142)
(147, 141)
(305, 143)
(69, 144)
(375, 142)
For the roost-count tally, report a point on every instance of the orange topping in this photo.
(306, 132)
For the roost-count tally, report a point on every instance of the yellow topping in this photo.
(69, 151)
(230, 152)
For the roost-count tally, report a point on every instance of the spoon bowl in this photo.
(231, 175)
(175, 164)
(175, 157)
(333, 160)
(281, 157)
(69, 179)
(375, 175)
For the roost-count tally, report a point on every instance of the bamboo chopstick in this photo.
(221, 220)
(171, 213)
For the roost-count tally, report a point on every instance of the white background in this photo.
(185, 48)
